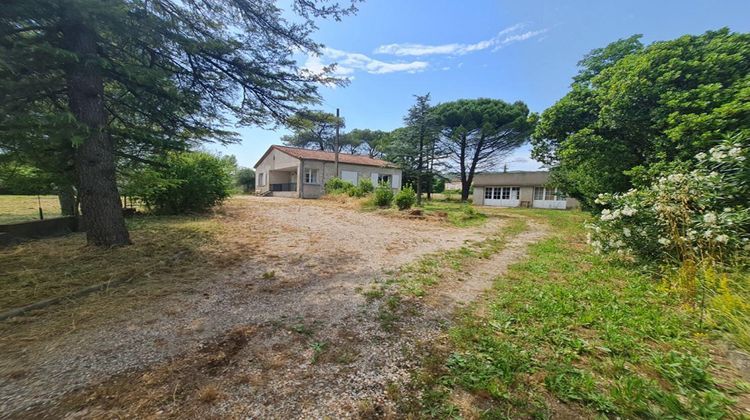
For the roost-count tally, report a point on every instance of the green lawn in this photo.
(24, 208)
(567, 333)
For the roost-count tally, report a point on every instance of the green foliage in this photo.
(405, 198)
(364, 188)
(631, 109)
(383, 195)
(22, 179)
(338, 186)
(369, 142)
(245, 178)
(313, 129)
(187, 182)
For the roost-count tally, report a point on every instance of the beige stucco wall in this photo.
(328, 171)
(478, 197)
(276, 160)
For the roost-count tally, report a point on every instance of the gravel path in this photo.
(288, 334)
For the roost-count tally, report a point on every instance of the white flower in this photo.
(707, 234)
(628, 211)
(709, 218)
(727, 209)
(664, 241)
(717, 155)
(734, 151)
(676, 177)
(626, 232)
(701, 156)
(722, 238)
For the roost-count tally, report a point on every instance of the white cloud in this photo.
(348, 62)
(518, 38)
(503, 38)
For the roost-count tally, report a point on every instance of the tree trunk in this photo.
(431, 171)
(419, 166)
(94, 158)
(67, 197)
(465, 184)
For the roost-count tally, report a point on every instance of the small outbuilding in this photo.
(294, 172)
(519, 189)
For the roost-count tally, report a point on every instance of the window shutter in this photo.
(396, 181)
(374, 178)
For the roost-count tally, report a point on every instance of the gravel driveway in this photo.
(286, 334)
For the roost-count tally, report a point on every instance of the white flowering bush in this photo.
(687, 214)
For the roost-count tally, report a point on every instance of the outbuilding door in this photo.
(502, 196)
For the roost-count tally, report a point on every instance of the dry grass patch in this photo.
(25, 208)
(185, 387)
(169, 254)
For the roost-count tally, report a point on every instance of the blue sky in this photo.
(511, 50)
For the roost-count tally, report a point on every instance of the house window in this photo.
(496, 193)
(261, 180)
(488, 193)
(311, 176)
(383, 178)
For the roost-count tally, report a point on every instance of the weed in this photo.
(209, 394)
(318, 348)
(268, 275)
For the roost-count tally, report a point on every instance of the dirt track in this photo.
(287, 334)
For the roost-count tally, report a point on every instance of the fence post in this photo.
(39, 201)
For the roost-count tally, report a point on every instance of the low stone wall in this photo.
(16, 232)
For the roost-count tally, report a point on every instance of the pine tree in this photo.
(134, 74)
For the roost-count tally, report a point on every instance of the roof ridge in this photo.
(324, 151)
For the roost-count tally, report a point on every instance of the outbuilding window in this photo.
(547, 193)
(311, 176)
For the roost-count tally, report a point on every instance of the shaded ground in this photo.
(285, 331)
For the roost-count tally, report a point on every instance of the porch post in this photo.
(300, 177)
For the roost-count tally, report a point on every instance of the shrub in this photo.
(366, 186)
(383, 195)
(338, 186)
(405, 198)
(187, 182)
(684, 215)
(245, 178)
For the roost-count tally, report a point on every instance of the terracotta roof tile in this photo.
(300, 153)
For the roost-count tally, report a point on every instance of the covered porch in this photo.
(283, 182)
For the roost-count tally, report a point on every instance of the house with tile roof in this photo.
(294, 172)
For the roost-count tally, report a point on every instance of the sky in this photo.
(523, 50)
